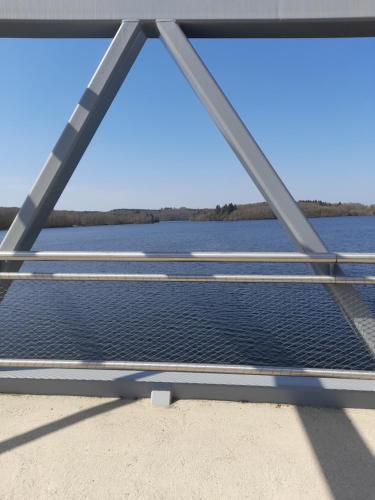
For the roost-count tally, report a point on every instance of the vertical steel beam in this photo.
(73, 142)
(262, 173)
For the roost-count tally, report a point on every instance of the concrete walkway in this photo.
(88, 448)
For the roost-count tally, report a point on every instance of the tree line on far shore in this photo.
(71, 218)
(229, 211)
(258, 211)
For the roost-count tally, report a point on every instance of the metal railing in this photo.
(222, 257)
(207, 19)
(280, 257)
(187, 367)
(190, 257)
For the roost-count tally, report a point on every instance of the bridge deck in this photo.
(73, 447)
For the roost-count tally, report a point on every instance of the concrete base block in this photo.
(161, 397)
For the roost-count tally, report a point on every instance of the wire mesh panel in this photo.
(263, 324)
(254, 324)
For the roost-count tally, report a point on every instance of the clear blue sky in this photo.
(309, 103)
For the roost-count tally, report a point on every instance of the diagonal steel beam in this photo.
(73, 142)
(263, 174)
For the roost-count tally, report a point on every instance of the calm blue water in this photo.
(284, 325)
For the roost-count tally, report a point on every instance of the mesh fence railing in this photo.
(283, 325)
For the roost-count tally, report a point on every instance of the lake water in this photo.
(263, 324)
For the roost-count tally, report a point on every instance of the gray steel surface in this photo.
(208, 18)
(300, 390)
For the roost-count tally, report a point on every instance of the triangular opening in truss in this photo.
(148, 153)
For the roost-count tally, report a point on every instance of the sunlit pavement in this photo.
(73, 447)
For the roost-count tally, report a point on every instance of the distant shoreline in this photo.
(227, 212)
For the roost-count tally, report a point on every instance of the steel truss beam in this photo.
(263, 174)
(99, 95)
(73, 142)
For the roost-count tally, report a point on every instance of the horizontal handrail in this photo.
(214, 278)
(272, 257)
(185, 367)
(355, 258)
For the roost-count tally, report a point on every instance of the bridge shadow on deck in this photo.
(62, 423)
(344, 458)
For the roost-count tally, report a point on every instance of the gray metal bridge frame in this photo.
(130, 22)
